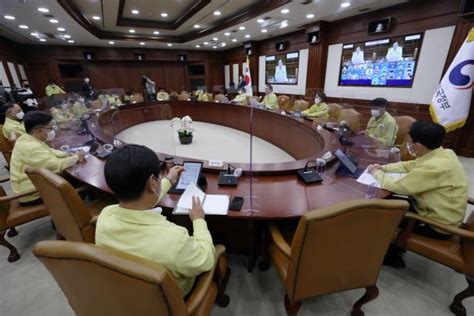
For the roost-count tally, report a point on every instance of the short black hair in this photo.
(321, 95)
(269, 86)
(128, 169)
(380, 103)
(427, 133)
(35, 119)
(6, 107)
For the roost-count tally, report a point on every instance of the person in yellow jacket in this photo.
(62, 114)
(202, 96)
(382, 126)
(319, 111)
(136, 226)
(435, 180)
(13, 126)
(270, 101)
(79, 107)
(162, 95)
(240, 98)
(31, 150)
(52, 88)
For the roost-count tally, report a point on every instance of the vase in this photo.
(185, 140)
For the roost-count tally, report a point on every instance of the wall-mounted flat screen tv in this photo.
(282, 68)
(386, 62)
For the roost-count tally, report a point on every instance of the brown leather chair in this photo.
(173, 95)
(183, 97)
(456, 252)
(334, 109)
(404, 124)
(220, 98)
(74, 221)
(336, 248)
(5, 147)
(103, 281)
(210, 98)
(13, 214)
(351, 117)
(284, 102)
(300, 105)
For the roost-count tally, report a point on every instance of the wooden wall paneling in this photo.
(38, 75)
(175, 76)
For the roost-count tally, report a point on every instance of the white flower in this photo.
(187, 119)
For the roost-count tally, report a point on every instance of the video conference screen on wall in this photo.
(389, 62)
(282, 68)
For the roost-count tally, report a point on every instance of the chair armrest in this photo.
(8, 198)
(447, 228)
(4, 179)
(470, 200)
(203, 283)
(279, 241)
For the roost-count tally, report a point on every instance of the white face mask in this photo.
(86, 80)
(51, 135)
(317, 100)
(20, 115)
(375, 113)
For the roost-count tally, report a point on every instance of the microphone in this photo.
(229, 177)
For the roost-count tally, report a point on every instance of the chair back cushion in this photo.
(351, 117)
(103, 281)
(341, 247)
(5, 147)
(300, 105)
(334, 109)
(210, 97)
(69, 214)
(183, 97)
(404, 124)
(283, 102)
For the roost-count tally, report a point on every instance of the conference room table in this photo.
(277, 193)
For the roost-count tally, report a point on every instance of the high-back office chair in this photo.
(173, 95)
(404, 124)
(210, 98)
(300, 105)
(13, 214)
(334, 109)
(284, 102)
(456, 253)
(103, 281)
(336, 248)
(6, 148)
(351, 117)
(74, 221)
(183, 97)
(220, 98)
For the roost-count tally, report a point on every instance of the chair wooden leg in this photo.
(456, 306)
(222, 277)
(371, 292)
(12, 232)
(291, 307)
(13, 256)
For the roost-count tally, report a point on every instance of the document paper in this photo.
(368, 179)
(213, 204)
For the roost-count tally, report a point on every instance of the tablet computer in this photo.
(191, 173)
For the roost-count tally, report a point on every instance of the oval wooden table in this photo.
(278, 193)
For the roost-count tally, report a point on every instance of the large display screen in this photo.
(282, 68)
(389, 62)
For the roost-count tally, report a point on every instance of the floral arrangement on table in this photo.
(185, 131)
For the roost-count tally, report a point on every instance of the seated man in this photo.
(79, 107)
(13, 126)
(137, 227)
(319, 111)
(270, 100)
(162, 95)
(382, 126)
(435, 180)
(31, 151)
(62, 113)
(52, 88)
(202, 96)
(240, 98)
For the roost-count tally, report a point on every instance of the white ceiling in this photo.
(26, 13)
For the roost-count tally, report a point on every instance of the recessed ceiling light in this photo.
(196, 26)
(70, 41)
(247, 35)
(214, 47)
(285, 11)
(25, 27)
(197, 46)
(135, 11)
(227, 34)
(156, 32)
(234, 40)
(54, 21)
(215, 39)
(131, 31)
(217, 13)
(241, 28)
(223, 44)
(111, 42)
(34, 34)
(142, 43)
(206, 43)
(164, 14)
(67, 36)
(310, 16)
(61, 29)
(42, 40)
(96, 17)
(345, 4)
(9, 17)
(260, 21)
(43, 10)
(264, 30)
(169, 44)
(284, 24)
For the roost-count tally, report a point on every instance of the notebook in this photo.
(213, 204)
